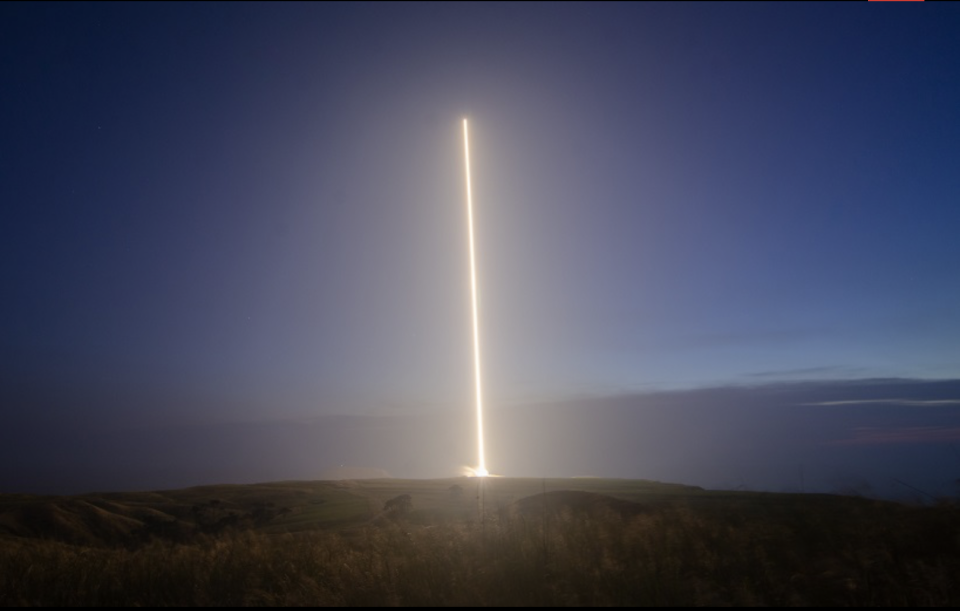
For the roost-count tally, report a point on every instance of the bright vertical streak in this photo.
(481, 469)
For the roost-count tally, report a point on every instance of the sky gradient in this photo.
(697, 227)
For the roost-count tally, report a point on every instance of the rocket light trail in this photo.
(481, 469)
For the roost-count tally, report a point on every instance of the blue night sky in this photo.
(717, 244)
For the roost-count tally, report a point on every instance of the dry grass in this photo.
(849, 553)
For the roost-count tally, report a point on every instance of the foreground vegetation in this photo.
(558, 548)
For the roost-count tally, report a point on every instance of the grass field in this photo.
(460, 541)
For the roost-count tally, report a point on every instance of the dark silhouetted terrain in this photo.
(460, 541)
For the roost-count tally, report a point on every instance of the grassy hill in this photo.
(292, 506)
(460, 541)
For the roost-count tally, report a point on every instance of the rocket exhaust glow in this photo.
(481, 469)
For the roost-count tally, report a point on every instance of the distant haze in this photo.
(841, 436)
